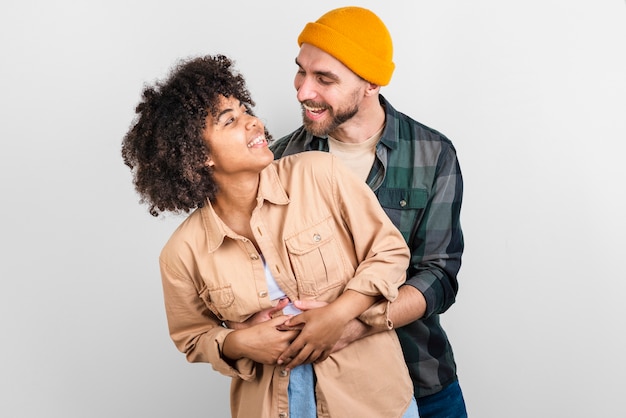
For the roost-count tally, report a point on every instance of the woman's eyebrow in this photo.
(227, 110)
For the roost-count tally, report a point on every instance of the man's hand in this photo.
(261, 342)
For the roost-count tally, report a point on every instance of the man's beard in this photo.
(325, 127)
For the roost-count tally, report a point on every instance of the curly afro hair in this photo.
(164, 147)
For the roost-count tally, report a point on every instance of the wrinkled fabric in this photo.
(321, 231)
(417, 178)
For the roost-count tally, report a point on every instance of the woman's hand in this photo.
(320, 329)
(354, 330)
(261, 342)
(261, 316)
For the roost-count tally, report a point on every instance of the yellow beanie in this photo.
(356, 37)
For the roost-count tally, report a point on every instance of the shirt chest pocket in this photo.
(221, 301)
(405, 207)
(317, 258)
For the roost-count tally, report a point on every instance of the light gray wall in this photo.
(532, 93)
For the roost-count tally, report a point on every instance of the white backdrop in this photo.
(532, 93)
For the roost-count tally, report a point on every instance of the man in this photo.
(344, 59)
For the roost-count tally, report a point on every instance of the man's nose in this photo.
(305, 89)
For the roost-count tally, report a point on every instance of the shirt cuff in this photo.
(243, 368)
(377, 316)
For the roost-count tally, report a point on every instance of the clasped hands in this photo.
(290, 340)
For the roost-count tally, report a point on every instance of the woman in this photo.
(263, 233)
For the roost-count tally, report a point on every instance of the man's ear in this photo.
(372, 89)
(209, 162)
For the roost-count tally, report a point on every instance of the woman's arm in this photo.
(199, 334)
(380, 251)
(409, 306)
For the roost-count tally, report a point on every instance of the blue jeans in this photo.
(448, 403)
(412, 411)
(302, 394)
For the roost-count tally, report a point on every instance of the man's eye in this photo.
(229, 121)
(324, 81)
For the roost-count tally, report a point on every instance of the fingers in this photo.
(290, 355)
(286, 327)
(306, 355)
(302, 351)
(279, 307)
(278, 321)
(301, 357)
(293, 323)
(297, 321)
(305, 305)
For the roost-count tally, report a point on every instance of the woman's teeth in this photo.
(256, 141)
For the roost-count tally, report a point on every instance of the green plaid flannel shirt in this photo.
(417, 179)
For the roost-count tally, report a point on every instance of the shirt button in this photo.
(282, 415)
(317, 238)
(254, 256)
(262, 294)
(402, 203)
(283, 372)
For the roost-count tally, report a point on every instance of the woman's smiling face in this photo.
(236, 139)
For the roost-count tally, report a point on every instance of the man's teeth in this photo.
(313, 109)
(256, 141)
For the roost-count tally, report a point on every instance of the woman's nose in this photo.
(254, 121)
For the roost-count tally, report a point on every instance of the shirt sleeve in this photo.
(382, 253)
(195, 330)
(438, 244)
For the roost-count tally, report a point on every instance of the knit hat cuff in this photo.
(370, 67)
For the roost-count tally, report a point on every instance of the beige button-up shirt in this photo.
(321, 231)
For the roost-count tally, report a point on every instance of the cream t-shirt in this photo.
(357, 157)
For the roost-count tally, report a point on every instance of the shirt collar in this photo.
(270, 187)
(389, 136)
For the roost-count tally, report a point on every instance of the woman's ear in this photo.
(209, 162)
